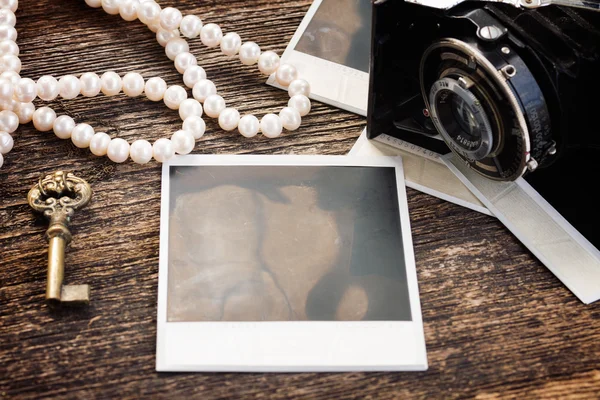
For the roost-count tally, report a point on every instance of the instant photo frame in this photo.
(287, 263)
(331, 50)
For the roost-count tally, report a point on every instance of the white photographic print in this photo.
(331, 49)
(287, 263)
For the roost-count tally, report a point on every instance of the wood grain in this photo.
(497, 323)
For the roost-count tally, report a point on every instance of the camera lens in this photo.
(463, 115)
(460, 118)
(487, 106)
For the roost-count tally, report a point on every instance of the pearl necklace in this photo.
(172, 29)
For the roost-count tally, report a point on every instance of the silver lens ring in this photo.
(502, 85)
(460, 118)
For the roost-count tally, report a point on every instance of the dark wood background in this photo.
(497, 323)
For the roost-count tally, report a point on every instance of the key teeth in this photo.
(75, 294)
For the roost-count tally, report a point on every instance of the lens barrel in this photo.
(487, 106)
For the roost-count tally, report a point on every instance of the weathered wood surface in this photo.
(497, 323)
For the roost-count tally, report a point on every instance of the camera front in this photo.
(512, 91)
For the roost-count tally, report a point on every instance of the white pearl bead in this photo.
(249, 53)
(1, 160)
(270, 126)
(213, 105)
(128, 9)
(211, 35)
(202, 89)
(188, 108)
(290, 118)
(7, 89)
(163, 36)
(176, 46)
(192, 75)
(141, 151)
(154, 26)
(268, 62)
(162, 150)
(6, 142)
(82, 135)
(195, 125)
(9, 104)
(300, 103)
(9, 62)
(133, 84)
(231, 43)
(8, 32)
(229, 119)
(170, 18)
(183, 61)
(12, 76)
(299, 86)
(63, 126)
(111, 7)
(173, 97)
(9, 121)
(286, 74)
(43, 119)
(248, 126)
(190, 26)
(118, 150)
(111, 83)
(9, 47)
(25, 112)
(99, 144)
(183, 142)
(94, 3)
(155, 88)
(149, 12)
(26, 90)
(69, 87)
(90, 84)
(47, 87)
(7, 17)
(9, 4)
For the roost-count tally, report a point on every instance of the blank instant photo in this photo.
(287, 263)
(331, 49)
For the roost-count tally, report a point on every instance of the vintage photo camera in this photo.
(512, 88)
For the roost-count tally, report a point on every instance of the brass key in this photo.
(58, 196)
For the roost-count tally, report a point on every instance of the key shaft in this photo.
(56, 268)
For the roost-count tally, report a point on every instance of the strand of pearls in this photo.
(172, 29)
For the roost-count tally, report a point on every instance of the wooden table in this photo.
(497, 323)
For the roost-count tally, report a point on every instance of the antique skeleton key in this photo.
(57, 196)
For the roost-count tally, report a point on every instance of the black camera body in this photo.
(514, 92)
